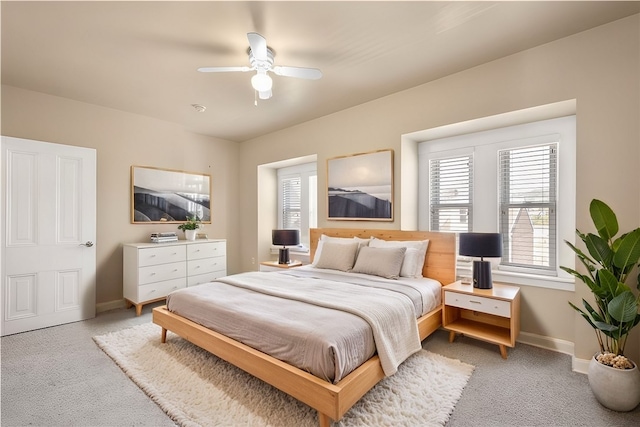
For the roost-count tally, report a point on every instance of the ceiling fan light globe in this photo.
(261, 82)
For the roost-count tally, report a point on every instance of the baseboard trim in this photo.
(110, 305)
(554, 344)
(580, 365)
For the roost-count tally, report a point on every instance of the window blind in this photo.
(291, 202)
(451, 194)
(527, 186)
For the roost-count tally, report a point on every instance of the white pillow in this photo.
(413, 259)
(337, 256)
(325, 238)
(384, 262)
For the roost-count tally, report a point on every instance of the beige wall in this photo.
(122, 140)
(598, 68)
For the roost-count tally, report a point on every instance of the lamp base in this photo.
(482, 275)
(284, 256)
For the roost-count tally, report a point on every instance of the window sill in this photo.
(539, 281)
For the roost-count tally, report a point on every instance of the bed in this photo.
(332, 399)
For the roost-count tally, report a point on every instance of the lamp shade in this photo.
(285, 237)
(481, 244)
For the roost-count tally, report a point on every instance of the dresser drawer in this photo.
(159, 273)
(477, 303)
(206, 250)
(161, 255)
(206, 265)
(159, 289)
(205, 278)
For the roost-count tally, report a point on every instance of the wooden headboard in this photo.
(439, 264)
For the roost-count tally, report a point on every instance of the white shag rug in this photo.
(195, 388)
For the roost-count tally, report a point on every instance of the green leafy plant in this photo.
(609, 261)
(192, 223)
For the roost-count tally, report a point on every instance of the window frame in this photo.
(307, 172)
(484, 146)
(503, 216)
(442, 206)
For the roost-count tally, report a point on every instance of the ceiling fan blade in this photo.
(299, 72)
(222, 69)
(265, 94)
(258, 46)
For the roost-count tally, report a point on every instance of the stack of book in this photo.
(164, 237)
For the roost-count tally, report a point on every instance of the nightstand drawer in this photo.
(476, 303)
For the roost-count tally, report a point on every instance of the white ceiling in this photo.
(142, 57)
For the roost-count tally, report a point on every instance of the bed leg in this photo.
(163, 339)
(324, 420)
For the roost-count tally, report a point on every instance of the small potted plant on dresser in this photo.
(614, 379)
(190, 227)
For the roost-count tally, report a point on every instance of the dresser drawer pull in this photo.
(475, 302)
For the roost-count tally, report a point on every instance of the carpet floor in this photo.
(196, 388)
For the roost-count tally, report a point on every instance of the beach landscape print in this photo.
(360, 186)
(164, 195)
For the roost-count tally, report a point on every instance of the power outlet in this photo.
(253, 260)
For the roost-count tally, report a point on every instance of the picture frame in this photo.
(360, 186)
(169, 196)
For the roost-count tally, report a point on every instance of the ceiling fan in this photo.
(261, 60)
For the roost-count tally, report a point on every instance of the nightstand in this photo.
(274, 266)
(491, 315)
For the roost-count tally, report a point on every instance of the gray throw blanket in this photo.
(391, 315)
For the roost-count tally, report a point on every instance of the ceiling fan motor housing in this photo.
(261, 64)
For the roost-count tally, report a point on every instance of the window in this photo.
(517, 180)
(297, 199)
(451, 193)
(527, 181)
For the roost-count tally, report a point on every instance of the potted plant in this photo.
(190, 226)
(609, 262)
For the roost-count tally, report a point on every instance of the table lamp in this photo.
(481, 245)
(285, 238)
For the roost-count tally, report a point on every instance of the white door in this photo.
(48, 234)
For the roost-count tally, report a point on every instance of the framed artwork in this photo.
(169, 196)
(360, 186)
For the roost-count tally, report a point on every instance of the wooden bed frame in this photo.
(331, 401)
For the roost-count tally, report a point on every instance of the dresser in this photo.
(152, 270)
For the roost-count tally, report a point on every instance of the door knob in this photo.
(88, 243)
